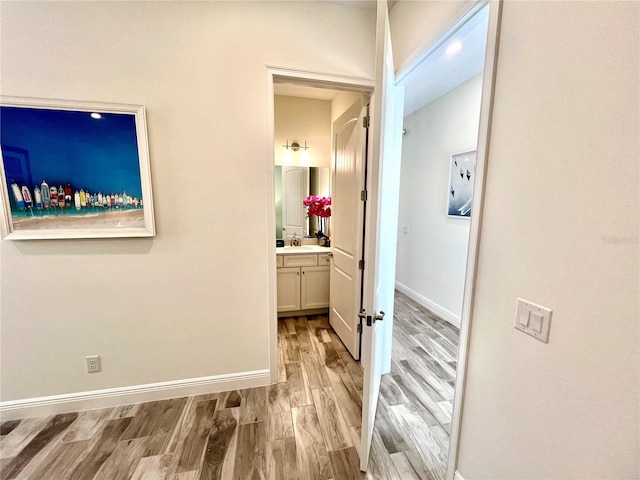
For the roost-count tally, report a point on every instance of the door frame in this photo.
(484, 132)
(309, 79)
(482, 156)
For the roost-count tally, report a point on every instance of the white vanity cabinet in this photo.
(303, 282)
(288, 289)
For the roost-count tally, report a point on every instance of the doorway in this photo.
(314, 360)
(443, 96)
(474, 228)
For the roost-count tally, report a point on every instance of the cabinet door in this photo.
(288, 289)
(315, 287)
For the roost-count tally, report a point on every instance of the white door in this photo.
(295, 188)
(346, 226)
(383, 184)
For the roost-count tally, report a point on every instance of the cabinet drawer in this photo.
(279, 262)
(324, 259)
(300, 260)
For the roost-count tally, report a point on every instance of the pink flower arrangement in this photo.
(319, 206)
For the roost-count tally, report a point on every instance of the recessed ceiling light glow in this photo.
(97, 116)
(454, 47)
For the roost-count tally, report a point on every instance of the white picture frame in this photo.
(462, 170)
(95, 154)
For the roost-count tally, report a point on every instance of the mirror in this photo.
(292, 186)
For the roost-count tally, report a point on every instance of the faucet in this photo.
(295, 241)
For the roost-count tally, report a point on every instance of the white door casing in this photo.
(347, 217)
(383, 182)
(295, 188)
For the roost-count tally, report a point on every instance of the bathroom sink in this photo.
(302, 247)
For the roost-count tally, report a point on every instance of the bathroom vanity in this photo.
(303, 279)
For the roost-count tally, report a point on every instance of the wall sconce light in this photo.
(295, 146)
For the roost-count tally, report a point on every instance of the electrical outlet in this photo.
(93, 363)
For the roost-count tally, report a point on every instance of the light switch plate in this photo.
(538, 320)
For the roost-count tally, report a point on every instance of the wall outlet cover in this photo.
(93, 363)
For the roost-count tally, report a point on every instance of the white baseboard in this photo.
(445, 314)
(457, 476)
(111, 397)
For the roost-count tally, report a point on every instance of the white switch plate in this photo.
(533, 320)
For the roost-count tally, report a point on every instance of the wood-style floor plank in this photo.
(281, 459)
(253, 407)
(8, 426)
(123, 461)
(333, 426)
(100, 449)
(410, 466)
(348, 398)
(61, 460)
(231, 399)
(52, 428)
(279, 412)
(345, 464)
(220, 444)
(87, 425)
(250, 462)
(13, 442)
(299, 391)
(153, 468)
(312, 456)
(197, 427)
(430, 448)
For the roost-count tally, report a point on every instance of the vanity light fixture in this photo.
(295, 146)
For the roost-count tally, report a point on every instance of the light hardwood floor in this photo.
(305, 427)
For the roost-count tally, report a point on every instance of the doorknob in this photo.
(378, 316)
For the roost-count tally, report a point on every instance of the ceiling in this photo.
(437, 74)
(441, 72)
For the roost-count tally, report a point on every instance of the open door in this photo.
(348, 171)
(383, 182)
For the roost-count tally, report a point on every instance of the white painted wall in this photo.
(432, 256)
(298, 120)
(560, 228)
(194, 300)
(341, 103)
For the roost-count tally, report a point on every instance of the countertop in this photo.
(308, 249)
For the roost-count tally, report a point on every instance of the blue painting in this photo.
(462, 175)
(70, 170)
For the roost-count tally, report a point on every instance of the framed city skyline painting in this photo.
(462, 174)
(74, 170)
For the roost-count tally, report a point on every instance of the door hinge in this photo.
(361, 265)
(366, 121)
(359, 328)
(363, 195)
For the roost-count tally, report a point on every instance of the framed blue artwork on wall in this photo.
(74, 170)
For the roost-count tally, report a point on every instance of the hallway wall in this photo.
(432, 255)
(193, 301)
